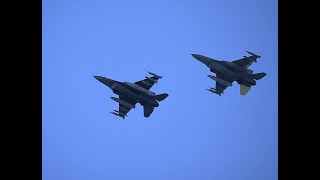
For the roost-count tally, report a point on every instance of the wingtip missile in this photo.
(154, 74)
(151, 79)
(255, 60)
(253, 54)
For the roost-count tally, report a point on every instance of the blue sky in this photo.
(193, 134)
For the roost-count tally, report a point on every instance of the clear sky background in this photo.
(193, 134)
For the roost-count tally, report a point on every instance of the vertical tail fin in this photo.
(161, 97)
(147, 110)
(244, 89)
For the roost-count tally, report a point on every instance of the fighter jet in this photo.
(132, 93)
(227, 72)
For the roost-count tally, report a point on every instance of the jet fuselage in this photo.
(126, 90)
(229, 69)
(130, 90)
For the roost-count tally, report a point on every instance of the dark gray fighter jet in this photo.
(132, 93)
(227, 72)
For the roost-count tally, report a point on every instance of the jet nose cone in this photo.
(195, 56)
(205, 60)
(99, 78)
(106, 81)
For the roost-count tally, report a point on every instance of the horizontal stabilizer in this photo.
(258, 76)
(244, 89)
(161, 97)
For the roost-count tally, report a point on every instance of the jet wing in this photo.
(148, 82)
(123, 110)
(246, 61)
(221, 87)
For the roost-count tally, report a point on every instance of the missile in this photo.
(215, 91)
(247, 57)
(255, 60)
(117, 114)
(125, 103)
(154, 80)
(154, 74)
(253, 54)
(120, 113)
(220, 80)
